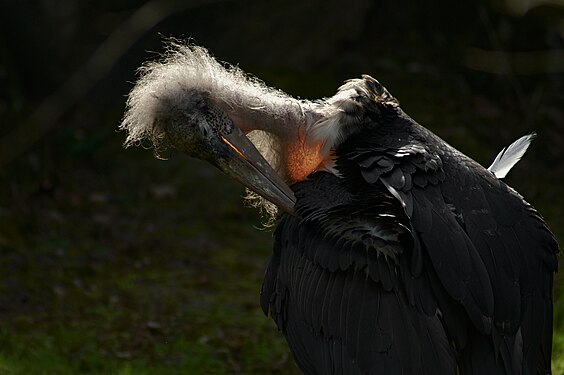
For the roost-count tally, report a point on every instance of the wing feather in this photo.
(489, 255)
(357, 316)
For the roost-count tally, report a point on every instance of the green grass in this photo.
(135, 273)
(43, 355)
(558, 341)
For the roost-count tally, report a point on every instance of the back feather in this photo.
(509, 156)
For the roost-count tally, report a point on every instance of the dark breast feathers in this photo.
(415, 260)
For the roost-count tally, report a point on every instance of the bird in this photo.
(394, 253)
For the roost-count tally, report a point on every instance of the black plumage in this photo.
(414, 260)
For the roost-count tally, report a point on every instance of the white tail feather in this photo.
(509, 156)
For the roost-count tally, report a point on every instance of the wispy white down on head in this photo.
(509, 156)
(185, 71)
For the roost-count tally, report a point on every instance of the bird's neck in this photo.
(288, 125)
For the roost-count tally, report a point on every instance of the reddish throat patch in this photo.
(302, 159)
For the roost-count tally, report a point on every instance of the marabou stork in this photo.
(395, 253)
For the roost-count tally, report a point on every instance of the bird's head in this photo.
(197, 127)
(191, 102)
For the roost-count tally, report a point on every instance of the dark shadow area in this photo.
(112, 261)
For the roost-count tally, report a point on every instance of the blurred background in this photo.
(114, 262)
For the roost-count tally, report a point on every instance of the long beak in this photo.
(250, 168)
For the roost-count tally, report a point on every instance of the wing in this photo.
(336, 286)
(490, 251)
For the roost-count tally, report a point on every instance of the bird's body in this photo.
(458, 277)
(400, 255)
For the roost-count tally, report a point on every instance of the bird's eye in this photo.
(219, 121)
